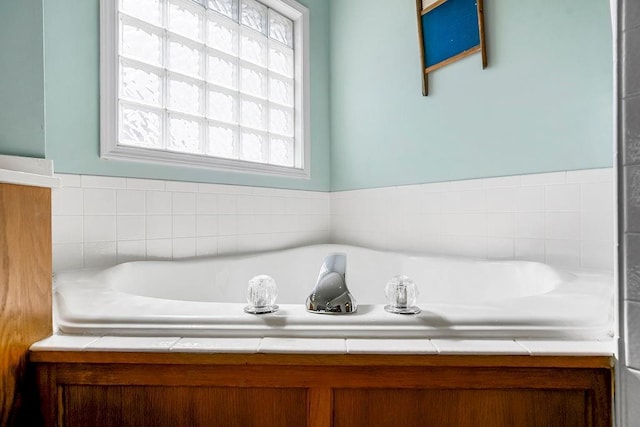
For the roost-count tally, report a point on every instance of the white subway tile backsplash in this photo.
(238, 189)
(261, 205)
(501, 199)
(227, 225)
(227, 205)
(564, 218)
(206, 225)
(431, 202)
(184, 247)
(209, 188)
(159, 227)
(132, 250)
(101, 254)
(258, 224)
(565, 253)
(98, 201)
(158, 203)
(67, 180)
(529, 224)
(246, 224)
(530, 217)
(597, 255)
(67, 229)
(99, 228)
(431, 224)
(586, 176)
(530, 199)
(184, 226)
(130, 202)
(130, 227)
(92, 181)
(529, 249)
(159, 248)
(279, 206)
(144, 184)
(468, 224)
(67, 256)
(463, 201)
(184, 203)
(563, 225)
(206, 204)
(500, 248)
(227, 245)
(67, 201)
(179, 186)
(245, 204)
(597, 225)
(598, 197)
(500, 224)
(245, 243)
(564, 197)
(206, 246)
(468, 246)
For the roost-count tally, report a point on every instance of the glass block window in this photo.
(209, 79)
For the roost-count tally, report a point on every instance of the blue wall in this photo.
(544, 103)
(71, 33)
(21, 78)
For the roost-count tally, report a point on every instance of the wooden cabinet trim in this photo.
(321, 359)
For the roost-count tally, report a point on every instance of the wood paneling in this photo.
(182, 406)
(323, 390)
(458, 408)
(25, 290)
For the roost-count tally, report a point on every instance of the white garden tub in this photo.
(458, 297)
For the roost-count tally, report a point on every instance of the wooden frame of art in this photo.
(449, 30)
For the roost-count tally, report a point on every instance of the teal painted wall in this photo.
(544, 103)
(21, 78)
(71, 34)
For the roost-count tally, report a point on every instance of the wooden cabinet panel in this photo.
(182, 406)
(459, 408)
(171, 389)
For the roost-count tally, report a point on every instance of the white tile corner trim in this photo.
(562, 218)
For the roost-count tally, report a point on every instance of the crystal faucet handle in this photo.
(402, 293)
(261, 295)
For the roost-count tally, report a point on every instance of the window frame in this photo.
(109, 98)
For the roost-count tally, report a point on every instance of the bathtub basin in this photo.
(458, 297)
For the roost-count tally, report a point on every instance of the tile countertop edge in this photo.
(532, 348)
(27, 171)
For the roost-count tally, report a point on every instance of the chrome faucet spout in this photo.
(330, 294)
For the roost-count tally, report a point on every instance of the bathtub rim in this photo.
(89, 325)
